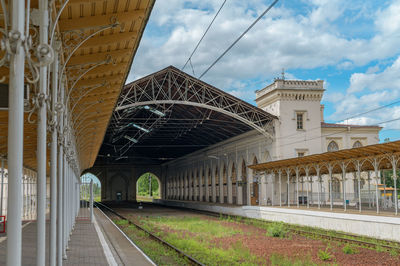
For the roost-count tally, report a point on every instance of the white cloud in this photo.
(283, 39)
(375, 104)
(345, 65)
(333, 97)
(388, 79)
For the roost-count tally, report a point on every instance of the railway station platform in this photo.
(85, 247)
(386, 225)
(98, 243)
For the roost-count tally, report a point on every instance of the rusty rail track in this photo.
(191, 260)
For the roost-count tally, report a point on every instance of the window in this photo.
(357, 144)
(333, 146)
(300, 154)
(299, 117)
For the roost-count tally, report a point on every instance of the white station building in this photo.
(299, 130)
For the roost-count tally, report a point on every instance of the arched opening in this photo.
(119, 187)
(209, 185)
(225, 184)
(333, 146)
(203, 186)
(216, 184)
(234, 187)
(244, 183)
(85, 187)
(336, 188)
(357, 144)
(254, 187)
(192, 186)
(148, 187)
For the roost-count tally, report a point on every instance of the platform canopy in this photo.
(367, 158)
(98, 40)
(169, 114)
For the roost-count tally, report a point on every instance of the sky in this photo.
(354, 46)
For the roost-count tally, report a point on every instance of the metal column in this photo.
(41, 141)
(60, 202)
(272, 188)
(330, 188)
(53, 166)
(396, 200)
(344, 187)
(91, 200)
(60, 182)
(288, 188)
(297, 188)
(359, 185)
(308, 184)
(319, 187)
(64, 228)
(15, 132)
(2, 186)
(280, 188)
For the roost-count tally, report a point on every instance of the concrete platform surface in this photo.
(124, 250)
(99, 243)
(84, 248)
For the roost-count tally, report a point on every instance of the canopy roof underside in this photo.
(169, 114)
(95, 72)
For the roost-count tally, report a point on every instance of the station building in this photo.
(299, 130)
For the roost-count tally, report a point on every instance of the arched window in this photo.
(333, 146)
(336, 188)
(357, 144)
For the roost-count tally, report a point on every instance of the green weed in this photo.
(277, 230)
(281, 260)
(347, 249)
(121, 222)
(393, 253)
(324, 255)
(379, 248)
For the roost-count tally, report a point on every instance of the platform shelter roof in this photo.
(380, 155)
(98, 40)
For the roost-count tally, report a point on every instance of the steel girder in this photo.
(187, 104)
(172, 86)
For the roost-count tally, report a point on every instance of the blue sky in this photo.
(354, 46)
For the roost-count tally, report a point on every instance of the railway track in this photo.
(315, 233)
(191, 260)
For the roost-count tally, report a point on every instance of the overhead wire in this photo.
(202, 37)
(238, 39)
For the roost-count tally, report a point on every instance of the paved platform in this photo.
(99, 243)
(85, 246)
(124, 251)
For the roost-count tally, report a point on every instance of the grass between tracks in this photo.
(212, 242)
(156, 251)
(284, 228)
(197, 237)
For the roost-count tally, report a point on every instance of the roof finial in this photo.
(283, 74)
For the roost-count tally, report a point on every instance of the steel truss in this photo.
(192, 112)
(172, 86)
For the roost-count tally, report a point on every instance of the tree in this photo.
(144, 185)
(387, 177)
